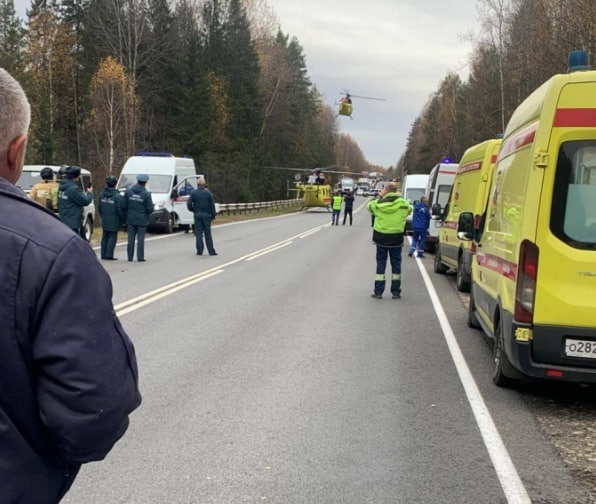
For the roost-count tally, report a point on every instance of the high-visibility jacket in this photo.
(390, 213)
(337, 199)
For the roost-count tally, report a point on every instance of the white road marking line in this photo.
(512, 485)
(270, 249)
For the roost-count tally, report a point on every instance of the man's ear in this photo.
(16, 152)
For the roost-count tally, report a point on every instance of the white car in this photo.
(360, 192)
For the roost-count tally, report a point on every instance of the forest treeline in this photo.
(216, 80)
(520, 44)
(219, 81)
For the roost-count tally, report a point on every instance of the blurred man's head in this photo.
(15, 115)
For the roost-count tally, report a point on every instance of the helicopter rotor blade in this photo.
(367, 97)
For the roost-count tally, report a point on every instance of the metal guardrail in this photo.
(243, 208)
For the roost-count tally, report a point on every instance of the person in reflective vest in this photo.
(390, 212)
(336, 208)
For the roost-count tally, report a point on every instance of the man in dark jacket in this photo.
(72, 199)
(68, 379)
(348, 206)
(112, 217)
(420, 223)
(138, 206)
(202, 204)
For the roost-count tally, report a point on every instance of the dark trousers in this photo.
(335, 217)
(138, 233)
(348, 211)
(394, 254)
(108, 244)
(203, 227)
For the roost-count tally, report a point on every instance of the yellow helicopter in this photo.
(345, 103)
(314, 186)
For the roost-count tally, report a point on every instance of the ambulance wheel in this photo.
(438, 266)
(503, 371)
(462, 280)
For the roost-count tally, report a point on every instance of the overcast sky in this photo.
(399, 50)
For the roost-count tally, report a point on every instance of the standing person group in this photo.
(420, 224)
(111, 211)
(72, 199)
(390, 212)
(138, 206)
(202, 204)
(68, 379)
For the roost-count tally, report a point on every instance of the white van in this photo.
(170, 181)
(413, 189)
(438, 189)
(30, 176)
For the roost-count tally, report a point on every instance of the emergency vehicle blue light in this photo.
(578, 60)
(499, 135)
(446, 160)
(157, 154)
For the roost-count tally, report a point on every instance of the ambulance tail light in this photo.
(525, 292)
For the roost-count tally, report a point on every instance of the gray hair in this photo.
(15, 111)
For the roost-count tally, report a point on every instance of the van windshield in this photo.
(573, 216)
(156, 183)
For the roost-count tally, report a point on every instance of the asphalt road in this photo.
(270, 375)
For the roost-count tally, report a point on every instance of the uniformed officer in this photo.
(112, 217)
(138, 206)
(72, 199)
(45, 192)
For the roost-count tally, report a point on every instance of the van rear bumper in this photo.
(159, 220)
(544, 356)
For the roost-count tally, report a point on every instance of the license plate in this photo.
(580, 348)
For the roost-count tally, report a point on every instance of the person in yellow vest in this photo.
(45, 192)
(336, 208)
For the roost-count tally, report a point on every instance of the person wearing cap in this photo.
(138, 206)
(72, 199)
(112, 217)
(45, 192)
(69, 377)
(202, 204)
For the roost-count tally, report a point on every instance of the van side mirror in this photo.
(174, 194)
(465, 226)
(436, 211)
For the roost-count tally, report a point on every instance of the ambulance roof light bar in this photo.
(578, 60)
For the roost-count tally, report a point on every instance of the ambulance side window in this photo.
(573, 216)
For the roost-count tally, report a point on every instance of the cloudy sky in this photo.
(399, 50)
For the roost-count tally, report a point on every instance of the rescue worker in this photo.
(348, 206)
(390, 212)
(72, 199)
(420, 224)
(112, 217)
(138, 206)
(45, 192)
(336, 207)
(202, 204)
(69, 378)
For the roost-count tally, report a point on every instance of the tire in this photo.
(462, 280)
(88, 230)
(472, 317)
(438, 266)
(503, 371)
(170, 227)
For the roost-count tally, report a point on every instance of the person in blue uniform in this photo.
(138, 206)
(202, 204)
(112, 217)
(72, 199)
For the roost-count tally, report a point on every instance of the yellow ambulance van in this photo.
(467, 202)
(534, 274)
